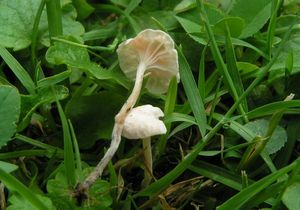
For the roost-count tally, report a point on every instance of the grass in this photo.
(232, 139)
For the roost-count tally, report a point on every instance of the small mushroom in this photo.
(142, 122)
(150, 51)
(153, 52)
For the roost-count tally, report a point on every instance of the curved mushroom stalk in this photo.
(151, 51)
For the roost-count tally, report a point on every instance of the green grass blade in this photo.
(217, 174)
(29, 153)
(192, 93)
(234, 73)
(68, 148)
(35, 30)
(37, 143)
(218, 57)
(169, 108)
(271, 27)
(13, 184)
(18, 70)
(201, 76)
(242, 197)
(52, 80)
(76, 148)
(8, 167)
(270, 108)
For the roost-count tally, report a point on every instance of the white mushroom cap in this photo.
(155, 49)
(143, 121)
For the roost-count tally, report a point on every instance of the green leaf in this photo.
(278, 138)
(168, 109)
(246, 194)
(93, 116)
(83, 8)
(31, 102)
(17, 69)
(14, 184)
(17, 19)
(10, 104)
(191, 90)
(235, 25)
(17, 202)
(255, 14)
(8, 167)
(217, 174)
(291, 196)
(98, 195)
(75, 55)
(69, 161)
(52, 80)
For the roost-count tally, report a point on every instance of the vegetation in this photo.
(233, 125)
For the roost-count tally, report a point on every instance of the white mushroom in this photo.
(151, 51)
(142, 122)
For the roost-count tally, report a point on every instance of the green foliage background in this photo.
(233, 120)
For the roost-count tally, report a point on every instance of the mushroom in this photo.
(153, 52)
(142, 122)
(150, 51)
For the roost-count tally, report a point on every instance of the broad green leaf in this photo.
(17, 18)
(8, 167)
(291, 196)
(10, 104)
(255, 14)
(185, 5)
(83, 8)
(235, 25)
(98, 195)
(93, 116)
(278, 138)
(75, 55)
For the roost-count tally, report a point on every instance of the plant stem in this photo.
(147, 161)
(117, 131)
(54, 18)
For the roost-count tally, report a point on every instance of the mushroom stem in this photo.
(117, 131)
(147, 161)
